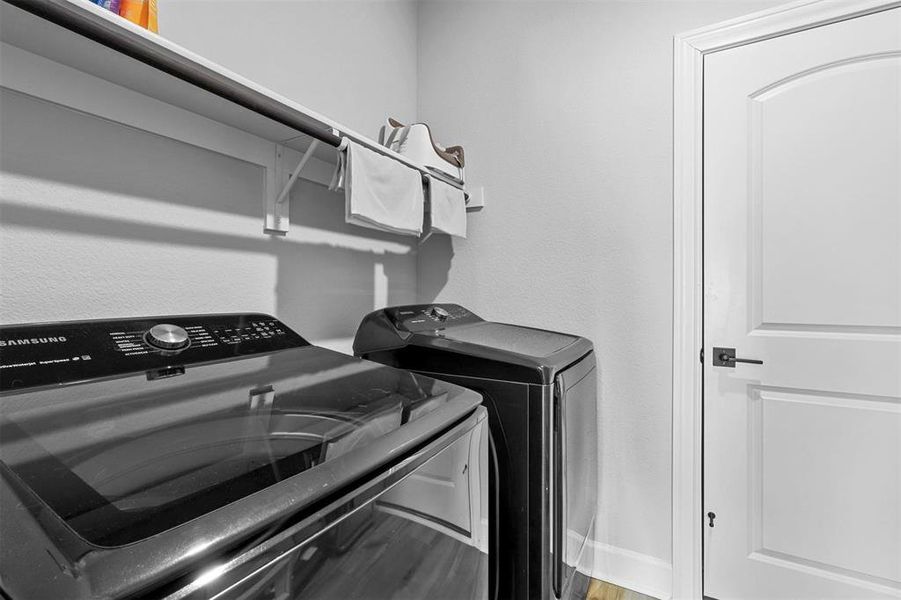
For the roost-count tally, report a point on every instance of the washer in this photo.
(540, 390)
(223, 456)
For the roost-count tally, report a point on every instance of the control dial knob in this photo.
(436, 312)
(167, 337)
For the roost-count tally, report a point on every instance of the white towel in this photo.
(379, 192)
(448, 209)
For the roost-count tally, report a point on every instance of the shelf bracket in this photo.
(276, 218)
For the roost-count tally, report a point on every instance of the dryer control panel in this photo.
(417, 318)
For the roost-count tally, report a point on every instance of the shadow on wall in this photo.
(318, 286)
(102, 220)
(433, 267)
(349, 285)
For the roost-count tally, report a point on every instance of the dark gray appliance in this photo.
(223, 456)
(540, 390)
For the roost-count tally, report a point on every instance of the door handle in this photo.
(725, 357)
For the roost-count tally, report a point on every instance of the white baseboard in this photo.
(632, 570)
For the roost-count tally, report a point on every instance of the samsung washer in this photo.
(223, 456)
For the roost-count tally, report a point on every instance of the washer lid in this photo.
(122, 460)
(511, 338)
(454, 341)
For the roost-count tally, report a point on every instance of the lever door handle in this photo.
(725, 357)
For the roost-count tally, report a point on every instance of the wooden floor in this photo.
(600, 590)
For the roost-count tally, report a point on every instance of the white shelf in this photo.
(93, 41)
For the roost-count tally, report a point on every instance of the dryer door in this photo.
(574, 451)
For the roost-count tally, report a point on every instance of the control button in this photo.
(167, 337)
(436, 312)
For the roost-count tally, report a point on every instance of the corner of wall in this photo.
(418, 8)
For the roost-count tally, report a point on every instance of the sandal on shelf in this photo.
(416, 143)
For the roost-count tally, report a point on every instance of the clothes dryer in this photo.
(540, 391)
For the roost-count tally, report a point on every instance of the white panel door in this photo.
(802, 270)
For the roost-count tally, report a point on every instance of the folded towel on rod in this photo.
(447, 209)
(379, 192)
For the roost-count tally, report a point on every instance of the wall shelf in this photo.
(98, 60)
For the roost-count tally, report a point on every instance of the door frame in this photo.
(689, 50)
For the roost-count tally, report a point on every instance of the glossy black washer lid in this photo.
(122, 460)
(525, 341)
(466, 345)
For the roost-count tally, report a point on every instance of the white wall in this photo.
(99, 220)
(352, 60)
(565, 111)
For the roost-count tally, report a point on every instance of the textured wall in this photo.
(352, 60)
(99, 220)
(565, 110)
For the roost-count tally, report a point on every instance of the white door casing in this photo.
(829, 337)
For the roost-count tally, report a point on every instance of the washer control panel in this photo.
(429, 317)
(57, 353)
